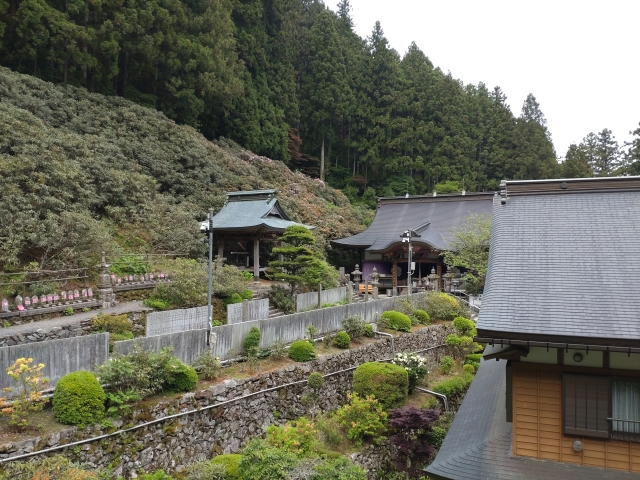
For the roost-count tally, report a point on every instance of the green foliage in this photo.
(440, 306)
(261, 461)
(231, 463)
(368, 331)
(301, 351)
(315, 381)
(446, 364)
(118, 326)
(469, 248)
(252, 341)
(157, 475)
(465, 326)
(78, 399)
(188, 286)
(246, 294)
(68, 311)
(129, 265)
(448, 187)
(436, 436)
(207, 365)
(468, 368)
(297, 437)
(473, 359)
(387, 382)
(119, 402)
(232, 299)
(415, 365)
(422, 317)
(339, 468)
(362, 417)
(396, 321)
(282, 299)
(278, 350)
(329, 430)
(157, 304)
(342, 340)
(207, 470)
(228, 281)
(179, 377)
(355, 326)
(454, 386)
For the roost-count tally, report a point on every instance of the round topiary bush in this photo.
(301, 351)
(78, 399)
(396, 321)
(368, 331)
(422, 317)
(252, 340)
(246, 294)
(233, 298)
(180, 377)
(387, 382)
(230, 462)
(342, 340)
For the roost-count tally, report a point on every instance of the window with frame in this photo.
(601, 407)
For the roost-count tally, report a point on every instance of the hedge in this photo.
(302, 351)
(396, 321)
(342, 340)
(454, 386)
(387, 382)
(78, 399)
(180, 376)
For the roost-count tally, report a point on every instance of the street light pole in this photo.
(209, 313)
(409, 267)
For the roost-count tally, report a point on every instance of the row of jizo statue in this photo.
(49, 300)
(147, 277)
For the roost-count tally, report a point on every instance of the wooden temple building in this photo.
(431, 218)
(247, 221)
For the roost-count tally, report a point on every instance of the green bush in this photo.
(436, 436)
(207, 365)
(441, 306)
(297, 436)
(280, 298)
(396, 321)
(454, 386)
(231, 462)
(342, 340)
(261, 461)
(206, 470)
(180, 377)
(246, 294)
(355, 326)
(422, 317)
(465, 326)
(157, 475)
(315, 381)
(362, 417)
(368, 331)
(446, 364)
(157, 303)
(232, 299)
(78, 399)
(301, 351)
(252, 341)
(339, 468)
(118, 324)
(473, 359)
(468, 368)
(330, 430)
(387, 382)
(188, 285)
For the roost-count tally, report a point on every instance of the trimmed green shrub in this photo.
(246, 294)
(422, 317)
(368, 331)
(465, 326)
(387, 382)
(454, 386)
(302, 351)
(342, 340)
(355, 326)
(261, 461)
(315, 381)
(180, 377)
(78, 399)
(468, 368)
(396, 321)
(441, 306)
(251, 341)
(446, 364)
(473, 359)
(231, 462)
(233, 298)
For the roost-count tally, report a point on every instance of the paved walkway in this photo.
(124, 307)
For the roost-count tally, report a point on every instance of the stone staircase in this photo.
(275, 312)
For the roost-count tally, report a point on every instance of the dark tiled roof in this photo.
(478, 444)
(565, 264)
(397, 214)
(251, 210)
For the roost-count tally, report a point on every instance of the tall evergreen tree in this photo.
(576, 163)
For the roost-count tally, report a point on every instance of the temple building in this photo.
(247, 221)
(431, 219)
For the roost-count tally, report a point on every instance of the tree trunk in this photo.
(322, 160)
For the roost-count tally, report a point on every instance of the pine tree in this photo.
(576, 163)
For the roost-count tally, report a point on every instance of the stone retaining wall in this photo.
(79, 329)
(172, 443)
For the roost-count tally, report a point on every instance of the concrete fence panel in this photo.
(307, 301)
(186, 345)
(234, 313)
(173, 321)
(59, 356)
(253, 309)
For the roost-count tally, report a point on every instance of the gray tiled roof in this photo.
(395, 215)
(565, 264)
(478, 444)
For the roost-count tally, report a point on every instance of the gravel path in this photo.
(124, 307)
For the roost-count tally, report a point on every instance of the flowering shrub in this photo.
(296, 437)
(362, 417)
(29, 385)
(415, 365)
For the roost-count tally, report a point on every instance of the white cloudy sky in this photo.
(581, 59)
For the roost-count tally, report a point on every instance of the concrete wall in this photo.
(59, 356)
(172, 321)
(306, 301)
(255, 310)
(186, 345)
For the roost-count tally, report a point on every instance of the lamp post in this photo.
(406, 236)
(208, 229)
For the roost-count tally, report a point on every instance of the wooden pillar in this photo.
(220, 249)
(394, 274)
(439, 273)
(256, 260)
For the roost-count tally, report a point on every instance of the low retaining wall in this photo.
(306, 301)
(247, 311)
(224, 417)
(173, 321)
(186, 345)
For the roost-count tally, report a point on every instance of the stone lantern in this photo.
(434, 280)
(375, 277)
(448, 280)
(357, 274)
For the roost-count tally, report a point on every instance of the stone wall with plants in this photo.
(138, 321)
(223, 417)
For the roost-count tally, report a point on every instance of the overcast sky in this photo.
(581, 59)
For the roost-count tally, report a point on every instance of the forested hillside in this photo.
(82, 172)
(288, 79)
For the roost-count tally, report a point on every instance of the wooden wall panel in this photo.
(537, 425)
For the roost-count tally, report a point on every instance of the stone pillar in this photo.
(319, 295)
(375, 280)
(106, 294)
(448, 280)
(395, 291)
(366, 290)
(439, 273)
(349, 292)
(220, 249)
(245, 310)
(256, 260)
